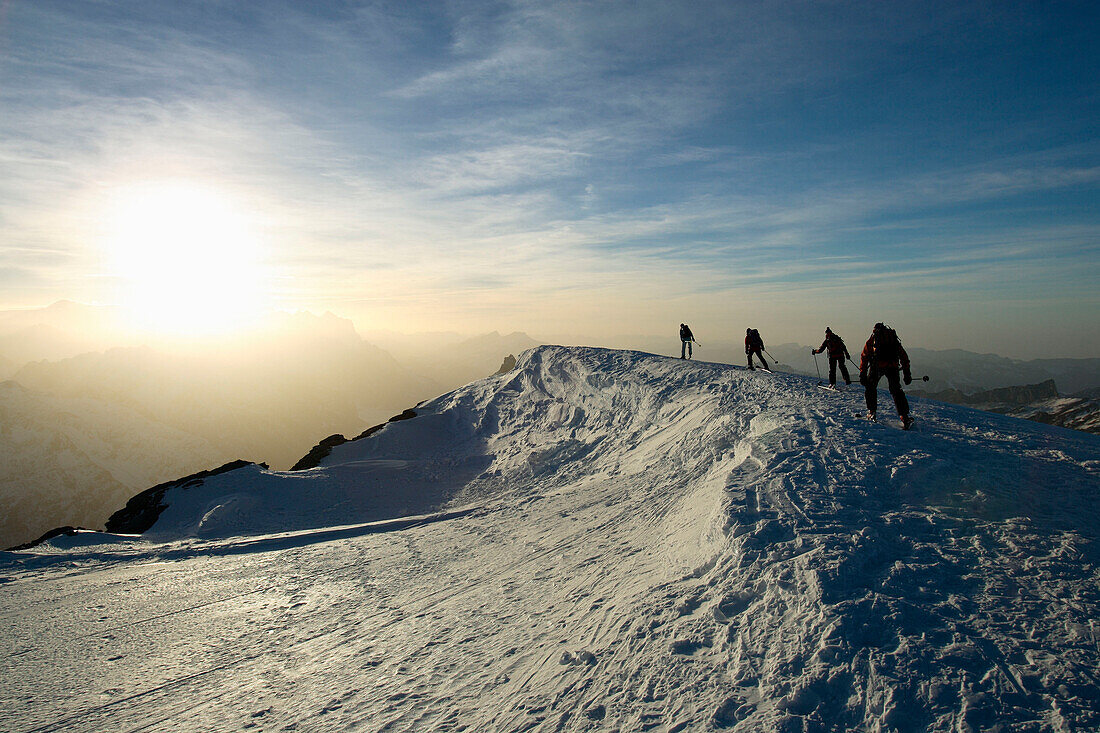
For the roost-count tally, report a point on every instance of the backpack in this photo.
(887, 346)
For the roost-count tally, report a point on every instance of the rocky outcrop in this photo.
(1039, 402)
(1076, 413)
(507, 365)
(141, 512)
(67, 531)
(321, 451)
(318, 452)
(1021, 395)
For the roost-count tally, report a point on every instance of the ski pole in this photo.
(773, 358)
(815, 364)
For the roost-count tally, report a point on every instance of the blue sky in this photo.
(589, 168)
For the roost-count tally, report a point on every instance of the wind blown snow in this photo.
(597, 540)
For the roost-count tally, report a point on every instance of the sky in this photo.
(570, 169)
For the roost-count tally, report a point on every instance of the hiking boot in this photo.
(871, 415)
(906, 422)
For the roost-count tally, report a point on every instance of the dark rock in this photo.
(141, 512)
(318, 452)
(67, 531)
(406, 415)
(321, 451)
(507, 365)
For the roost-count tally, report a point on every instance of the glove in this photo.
(908, 378)
(813, 351)
(863, 378)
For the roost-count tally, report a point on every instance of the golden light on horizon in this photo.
(186, 256)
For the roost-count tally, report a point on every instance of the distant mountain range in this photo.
(80, 431)
(449, 358)
(1039, 402)
(71, 460)
(966, 371)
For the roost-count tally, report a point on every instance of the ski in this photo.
(829, 388)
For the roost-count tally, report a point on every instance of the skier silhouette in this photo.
(883, 355)
(686, 338)
(754, 345)
(838, 352)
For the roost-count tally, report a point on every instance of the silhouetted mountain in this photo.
(267, 397)
(1007, 396)
(62, 330)
(969, 372)
(72, 460)
(79, 433)
(1039, 402)
(449, 359)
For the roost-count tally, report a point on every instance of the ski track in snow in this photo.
(633, 543)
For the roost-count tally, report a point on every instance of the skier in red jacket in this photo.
(883, 355)
(838, 352)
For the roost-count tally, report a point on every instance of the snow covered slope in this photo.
(598, 540)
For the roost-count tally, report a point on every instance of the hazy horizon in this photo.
(93, 328)
(561, 169)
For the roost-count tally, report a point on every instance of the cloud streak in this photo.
(506, 153)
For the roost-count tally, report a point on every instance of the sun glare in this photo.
(186, 257)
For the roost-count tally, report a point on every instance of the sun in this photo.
(186, 257)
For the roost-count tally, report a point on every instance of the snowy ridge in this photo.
(602, 540)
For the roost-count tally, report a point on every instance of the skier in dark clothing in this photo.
(754, 345)
(686, 338)
(838, 352)
(883, 355)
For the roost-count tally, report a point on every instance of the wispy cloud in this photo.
(481, 152)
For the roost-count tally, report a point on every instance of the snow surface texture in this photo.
(603, 540)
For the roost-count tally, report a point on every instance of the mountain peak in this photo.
(615, 538)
